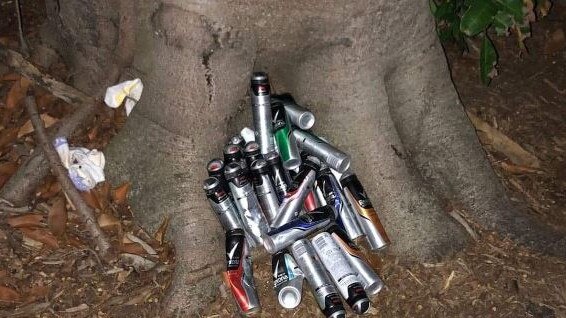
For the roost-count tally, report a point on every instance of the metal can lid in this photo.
(210, 183)
(237, 140)
(348, 178)
(234, 232)
(232, 152)
(251, 148)
(272, 158)
(259, 166)
(233, 170)
(215, 165)
(259, 77)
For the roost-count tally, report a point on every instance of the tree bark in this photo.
(373, 73)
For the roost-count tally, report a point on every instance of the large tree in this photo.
(373, 72)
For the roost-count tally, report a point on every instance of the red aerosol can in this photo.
(239, 275)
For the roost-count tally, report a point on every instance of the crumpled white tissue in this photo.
(86, 167)
(129, 90)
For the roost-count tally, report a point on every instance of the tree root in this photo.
(84, 211)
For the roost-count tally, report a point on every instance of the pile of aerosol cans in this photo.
(281, 186)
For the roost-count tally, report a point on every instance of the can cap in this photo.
(259, 166)
(233, 170)
(232, 153)
(289, 297)
(259, 77)
(272, 158)
(251, 148)
(211, 183)
(215, 167)
(237, 140)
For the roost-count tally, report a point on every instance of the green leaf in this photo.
(513, 7)
(478, 17)
(433, 7)
(502, 21)
(488, 59)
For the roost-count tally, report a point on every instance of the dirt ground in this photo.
(49, 272)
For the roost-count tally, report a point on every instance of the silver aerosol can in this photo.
(298, 115)
(252, 217)
(333, 195)
(317, 147)
(222, 204)
(294, 200)
(287, 279)
(264, 188)
(344, 277)
(261, 110)
(279, 176)
(370, 280)
(321, 285)
(367, 217)
(285, 235)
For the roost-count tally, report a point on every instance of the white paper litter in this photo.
(86, 167)
(129, 90)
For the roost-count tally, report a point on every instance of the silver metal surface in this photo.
(264, 189)
(261, 110)
(315, 146)
(291, 206)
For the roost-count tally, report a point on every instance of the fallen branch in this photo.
(23, 183)
(500, 142)
(84, 211)
(60, 90)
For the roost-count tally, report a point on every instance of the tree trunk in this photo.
(372, 72)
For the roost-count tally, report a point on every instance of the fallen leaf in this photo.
(42, 236)
(102, 192)
(49, 189)
(106, 220)
(28, 220)
(119, 195)
(133, 248)
(11, 77)
(8, 168)
(501, 143)
(556, 42)
(31, 243)
(57, 217)
(17, 93)
(44, 101)
(146, 247)
(8, 136)
(140, 264)
(162, 230)
(9, 295)
(78, 308)
(90, 199)
(517, 169)
(36, 292)
(27, 128)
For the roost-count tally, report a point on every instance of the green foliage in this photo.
(457, 20)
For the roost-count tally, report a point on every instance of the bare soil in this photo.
(60, 276)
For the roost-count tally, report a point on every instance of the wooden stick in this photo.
(84, 211)
(60, 90)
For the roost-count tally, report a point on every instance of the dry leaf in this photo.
(8, 168)
(102, 192)
(106, 220)
(119, 195)
(17, 93)
(78, 308)
(27, 128)
(50, 189)
(139, 263)
(146, 247)
(45, 101)
(57, 217)
(11, 77)
(28, 220)
(42, 236)
(8, 295)
(90, 199)
(501, 143)
(8, 136)
(162, 230)
(133, 248)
